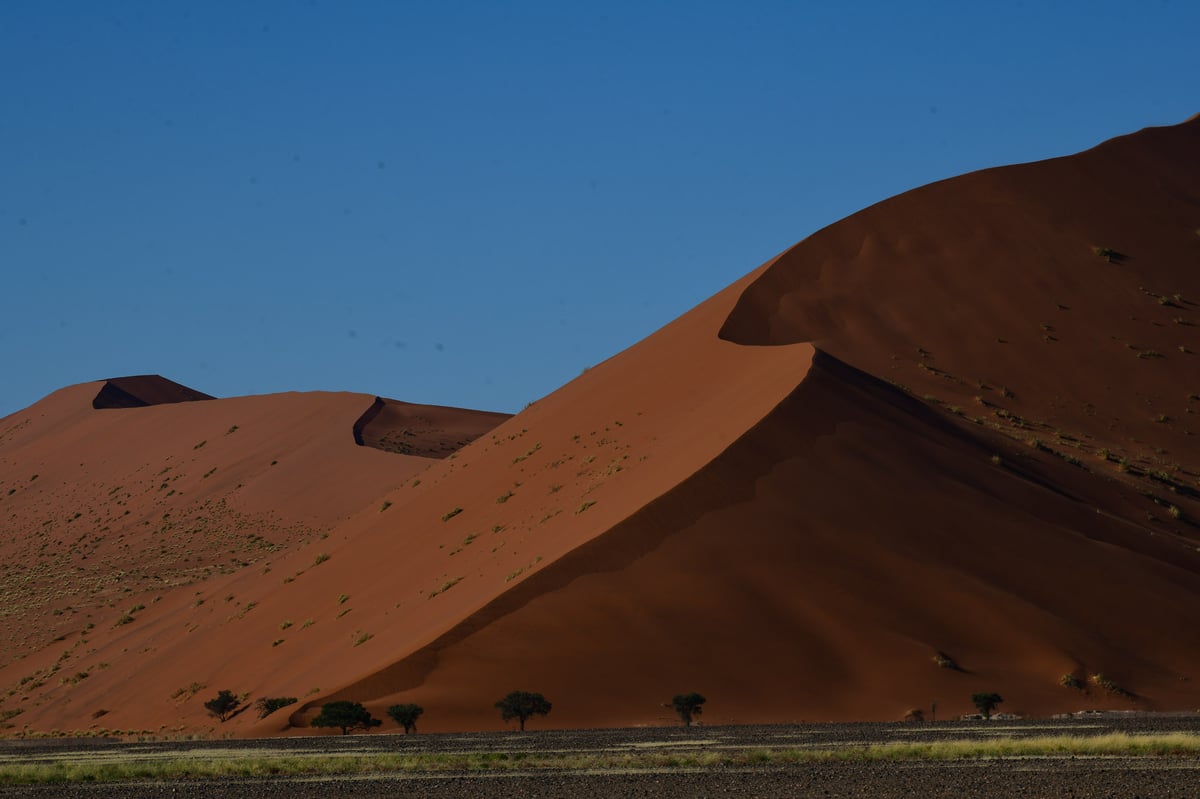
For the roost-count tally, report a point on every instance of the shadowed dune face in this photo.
(956, 425)
(143, 390)
(816, 568)
(427, 552)
(428, 431)
(1017, 516)
(1058, 300)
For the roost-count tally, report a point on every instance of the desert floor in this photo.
(1017, 777)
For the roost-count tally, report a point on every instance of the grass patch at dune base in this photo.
(175, 767)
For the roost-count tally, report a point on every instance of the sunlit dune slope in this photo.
(1022, 501)
(416, 560)
(945, 445)
(819, 567)
(104, 508)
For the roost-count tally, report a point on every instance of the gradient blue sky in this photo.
(467, 203)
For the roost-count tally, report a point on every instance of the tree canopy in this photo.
(986, 702)
(223, 705)
(688, 705)
(521, 705)
(406, 716)
(346, 715)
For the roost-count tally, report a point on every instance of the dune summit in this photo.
(943, 446)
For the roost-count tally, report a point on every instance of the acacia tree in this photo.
(406, 716)
(520, 705)
(688, 705)
(346, 715)
(986, 702)
(222, 705)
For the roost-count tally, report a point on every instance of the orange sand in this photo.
(941, 425)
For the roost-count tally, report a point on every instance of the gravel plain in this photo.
(1076, 777)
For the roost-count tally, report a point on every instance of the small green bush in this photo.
(268, 705)
(1071, 681)
(222, 705)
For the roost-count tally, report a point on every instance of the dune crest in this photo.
(944, 445)
(428, 431)
(143, 390)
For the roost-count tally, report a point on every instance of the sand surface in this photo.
(945, 445)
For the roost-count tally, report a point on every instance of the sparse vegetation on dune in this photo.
(223, 705)
(268, 705)
(772, 465)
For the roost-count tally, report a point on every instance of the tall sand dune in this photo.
(945, 445)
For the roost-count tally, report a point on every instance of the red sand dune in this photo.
(944, 426)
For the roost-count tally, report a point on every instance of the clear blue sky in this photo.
(467, 203)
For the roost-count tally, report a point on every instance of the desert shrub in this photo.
(444, 587)
(1101, 680)
(1071, 681)
(222, 705)
(269, 704)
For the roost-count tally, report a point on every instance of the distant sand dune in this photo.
(143, 390)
